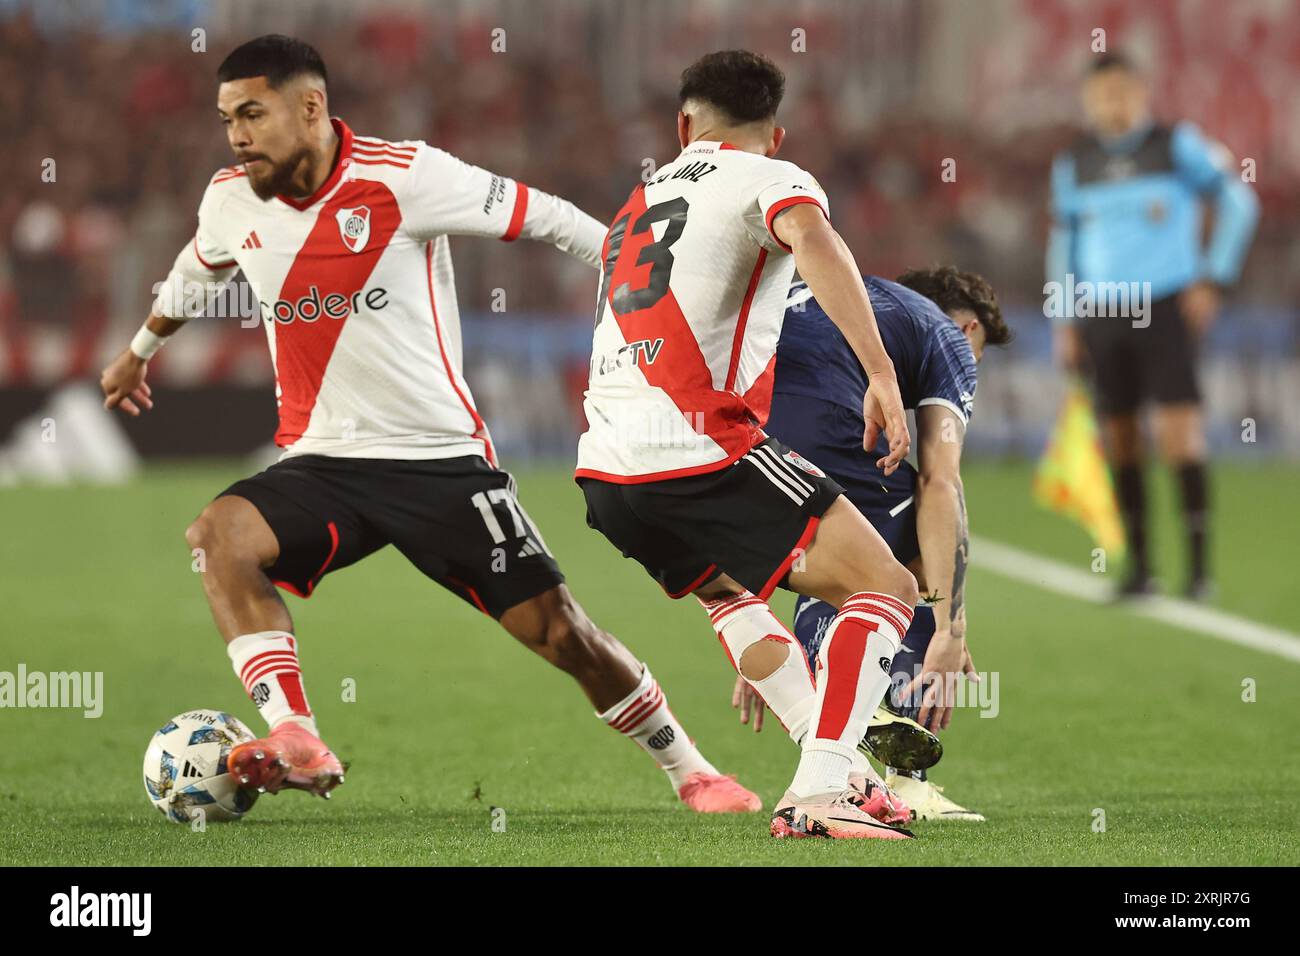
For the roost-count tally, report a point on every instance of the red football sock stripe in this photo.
(895, 620)
(843, 666)
(291, 683)
(637, 711)
(270, 667)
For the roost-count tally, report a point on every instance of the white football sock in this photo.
(267, 664)
(741, 622)
(854, 662)
(860, 764)
(643, 715)
(821, 771)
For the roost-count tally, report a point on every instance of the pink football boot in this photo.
(289, 756)
(717, 793)
(834, 816)
(879, 801)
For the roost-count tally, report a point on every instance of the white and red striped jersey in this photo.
(357, 294)
(692, 293)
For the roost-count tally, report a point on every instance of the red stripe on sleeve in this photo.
(517, 218)
(779, 207)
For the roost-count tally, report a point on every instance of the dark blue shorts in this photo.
(831, 436)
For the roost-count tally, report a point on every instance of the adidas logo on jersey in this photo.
(252, 242)
(529, 549)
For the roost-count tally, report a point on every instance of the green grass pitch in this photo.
(1099, 709)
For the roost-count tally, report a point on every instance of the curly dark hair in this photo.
(745, 86)
(949, 288)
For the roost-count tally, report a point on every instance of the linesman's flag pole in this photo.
(1072, 477)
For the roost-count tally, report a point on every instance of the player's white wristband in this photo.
(146, 343)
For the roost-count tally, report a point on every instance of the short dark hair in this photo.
(1111, 61)
(278, 58)
(745, 86)
(949, 288)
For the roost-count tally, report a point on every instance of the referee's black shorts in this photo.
(1130, 366)
(751, 520)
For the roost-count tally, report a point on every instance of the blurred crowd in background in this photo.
(120, 96)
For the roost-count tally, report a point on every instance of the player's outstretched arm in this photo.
(943, 533)
(448, 196)
(562, 224)
(826, 264)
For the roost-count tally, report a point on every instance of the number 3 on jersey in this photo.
(658, 255)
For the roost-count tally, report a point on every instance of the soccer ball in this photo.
(185, 768)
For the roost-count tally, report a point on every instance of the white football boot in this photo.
(927, 799)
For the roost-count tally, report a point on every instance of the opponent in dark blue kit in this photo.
(935, 324)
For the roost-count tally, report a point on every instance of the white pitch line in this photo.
(1051, 575)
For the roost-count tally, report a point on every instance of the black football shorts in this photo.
(751, 520)
(456, 519)
(1131, 366)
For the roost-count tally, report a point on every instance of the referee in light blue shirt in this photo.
(1128, 199)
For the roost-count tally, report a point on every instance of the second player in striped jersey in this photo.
(675, 466)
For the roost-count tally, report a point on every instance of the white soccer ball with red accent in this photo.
(185, 774)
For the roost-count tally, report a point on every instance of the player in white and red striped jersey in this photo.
(675, 466)
(343, 239)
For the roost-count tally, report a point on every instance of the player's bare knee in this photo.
(763, 658)
(893, 579)
(201, 532)
(900, 583)
(215, 533)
